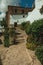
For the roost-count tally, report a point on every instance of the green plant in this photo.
(6, 40)
(12, 32)
(39, 53)
(6, 37)
(6, 32)
(34, 29)
(25, 25)
(30, 38)
(31, 46)
(3, 23)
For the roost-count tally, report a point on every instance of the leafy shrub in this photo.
(25, 25)
(6, 42)
(31, 46)
(6, 38)
(3, 23)
(12, 32)
(39, 53)
(34, 29)
(30, 38)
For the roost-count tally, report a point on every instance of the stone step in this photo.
(18, 30)
(20, 39)
(18, 33)
(20, 36)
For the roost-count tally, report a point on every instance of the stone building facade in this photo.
(18, 12)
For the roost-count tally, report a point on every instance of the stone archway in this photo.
(17, 10)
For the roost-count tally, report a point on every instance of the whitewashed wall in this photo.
(17, 18)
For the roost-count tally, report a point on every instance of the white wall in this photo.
(17, 18)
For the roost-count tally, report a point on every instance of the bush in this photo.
(12, 32)
(30, 46)
(6, 38)
(30, 38)
(3, 23)
(39, 53)
(6, 42)
(34, 29)
(25, 25)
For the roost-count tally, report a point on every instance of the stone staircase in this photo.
(20, 35)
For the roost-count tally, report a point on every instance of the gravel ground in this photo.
(14, 55)
(17, 55)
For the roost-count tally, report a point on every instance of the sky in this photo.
(26, 3)
(34, 15)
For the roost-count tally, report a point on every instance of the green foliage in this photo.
(28, 29)
(6, 41)
(25, 25)
(31, 46)
(12, 32)
(30, 38)
(39, 53)
(33, 41)
(37, 27)
(3, 23)
(6, 32)
(6, 37)
(34, 29)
